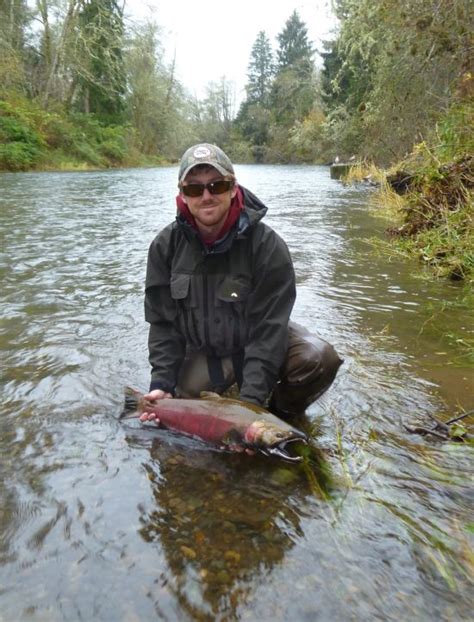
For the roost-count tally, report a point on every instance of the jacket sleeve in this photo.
(270, 304)
(166, 345)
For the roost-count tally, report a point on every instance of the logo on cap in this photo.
(202, 152)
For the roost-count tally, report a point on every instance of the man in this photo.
(220, 287)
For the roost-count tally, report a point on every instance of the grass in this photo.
(364, 171)
(433, 215)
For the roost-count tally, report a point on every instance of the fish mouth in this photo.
(279, 449)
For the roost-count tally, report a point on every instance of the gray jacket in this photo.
(233, 298)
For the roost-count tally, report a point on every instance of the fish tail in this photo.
(131, 404)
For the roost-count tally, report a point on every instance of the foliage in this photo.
(31, 137)
(294, 88)
(254, 115)
(253, 121)
(98, 63)
(213, 117)
(281, 115)
(390, 75)
(436, 211)
(438, 216)
(392, 72)
(306, 137)
(20, 143)
(295, 51)
(260, 71)
(145, 76)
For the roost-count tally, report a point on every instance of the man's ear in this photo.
(234, 190)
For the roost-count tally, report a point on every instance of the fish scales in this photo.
(199, 419)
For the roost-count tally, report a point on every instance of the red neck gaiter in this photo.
(233, 214)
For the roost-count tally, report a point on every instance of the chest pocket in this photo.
(179, 286)
(234, 289)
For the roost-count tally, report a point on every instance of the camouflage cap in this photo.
(205, 153)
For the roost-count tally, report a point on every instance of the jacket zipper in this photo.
(207, 338)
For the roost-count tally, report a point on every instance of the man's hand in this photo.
(156, 394)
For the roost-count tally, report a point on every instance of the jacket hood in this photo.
(255, 209)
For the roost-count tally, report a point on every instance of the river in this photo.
(101, 521)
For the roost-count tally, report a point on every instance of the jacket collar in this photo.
(251, 211)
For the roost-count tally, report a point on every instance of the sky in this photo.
(214, 38)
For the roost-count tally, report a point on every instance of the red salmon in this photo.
(221, 421)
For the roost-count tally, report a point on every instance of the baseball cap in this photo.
(205, 153)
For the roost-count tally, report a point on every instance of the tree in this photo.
(13, 20)
(54, 84)
(396, 67)
(156, 103)
(254, 114)
(216, 112)
(294, 87)
(260, 71)
(295, 51)
(98, 64)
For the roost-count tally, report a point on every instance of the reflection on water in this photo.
(222, 535)
(99, 521)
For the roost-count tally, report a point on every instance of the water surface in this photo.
(106, 522)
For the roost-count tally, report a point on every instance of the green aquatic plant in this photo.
(316, 469)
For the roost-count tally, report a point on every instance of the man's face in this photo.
(209, 210)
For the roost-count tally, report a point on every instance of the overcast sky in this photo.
(214, 38)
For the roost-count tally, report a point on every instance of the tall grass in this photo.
(434, 219)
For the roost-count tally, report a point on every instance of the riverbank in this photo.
(32, 138)
(429, 197)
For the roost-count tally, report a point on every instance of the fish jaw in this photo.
(272, 440)
(279, 450)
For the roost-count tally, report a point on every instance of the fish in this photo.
(221, 421)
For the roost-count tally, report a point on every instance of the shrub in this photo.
(20, 144)
(18, 156)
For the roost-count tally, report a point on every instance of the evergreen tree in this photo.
(260, 71)
(253, 122)
(294, 87)
(295, 51)
(254, 114)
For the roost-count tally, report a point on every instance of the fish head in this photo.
(272, 439)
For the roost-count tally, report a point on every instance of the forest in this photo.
(82, 87)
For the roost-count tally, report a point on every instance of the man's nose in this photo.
(206, 194)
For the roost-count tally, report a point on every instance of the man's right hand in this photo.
(156, 394)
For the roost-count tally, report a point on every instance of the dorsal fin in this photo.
(210, 395)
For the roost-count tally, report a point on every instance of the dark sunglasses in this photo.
(214, 187)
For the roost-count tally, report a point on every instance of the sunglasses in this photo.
(214, 187)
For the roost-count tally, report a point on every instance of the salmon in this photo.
(221, 421)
